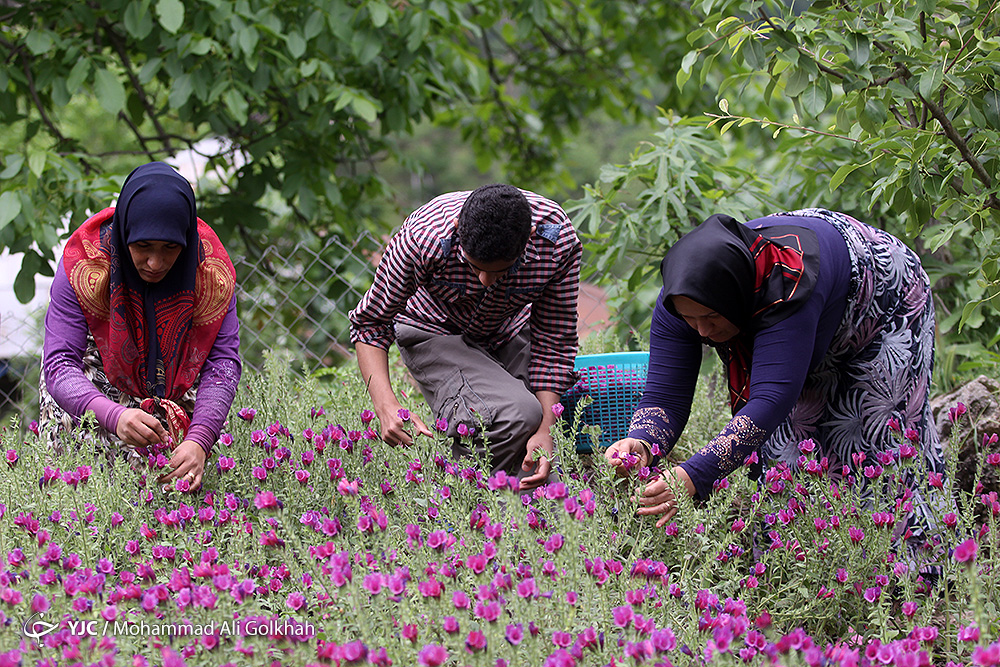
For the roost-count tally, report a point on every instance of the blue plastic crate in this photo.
(615, 382)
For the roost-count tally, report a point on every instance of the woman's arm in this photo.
(220, 376)
(782, 358)
(674, 359)
(62, 357)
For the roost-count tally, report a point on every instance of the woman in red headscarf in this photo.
(825, 326)
(142, 328)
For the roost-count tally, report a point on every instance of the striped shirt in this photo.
(423, 280)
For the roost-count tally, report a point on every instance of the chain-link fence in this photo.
(292, 296)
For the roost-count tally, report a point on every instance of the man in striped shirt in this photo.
(479, 290)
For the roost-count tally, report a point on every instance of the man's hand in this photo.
(140, 429)
(539, 458)
(395, 430)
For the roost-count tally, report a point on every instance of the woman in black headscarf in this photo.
(142, 328)
(825, 326)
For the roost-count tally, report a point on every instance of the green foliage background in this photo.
(336, 117)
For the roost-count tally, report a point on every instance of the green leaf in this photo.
(314, 25)
(815, 98)
(38, 42)
(688, 60)
(296, 45)
(110, 91)
(24, 283)
(753, 53)
(379, 13)
(171, 14)
(365, 46)
(14, 163)
(77, 75)
(180, 91)
(10, 207)
(237, 105)
(248, 38)
(36, 163)
(682, 77)
(858, 48)
(874, 115)
(967, 313)
(797, 82)
(364, 108)
(137, 19)
(991, 108)
(841, 174)
(930, 81)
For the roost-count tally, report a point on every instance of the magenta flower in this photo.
(872, 594)
(39, 603)
(373, 583)
(968, 633)
(404, 414)
(463, 430)
(247, 414)
(432, 655)
(460, 600)
(558, 409)
(295, 601)
(514, 634)
(355, 651)
(33, 427)
(11, 457)
(367, 416)
(622, 616)
(265, 500)
(441, 424)
(966, 551)
(475, 642)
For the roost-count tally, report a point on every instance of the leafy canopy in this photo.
(293, 103)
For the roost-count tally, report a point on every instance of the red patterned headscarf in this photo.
(753, 278)
(153, 337)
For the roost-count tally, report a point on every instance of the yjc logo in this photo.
(36, 628)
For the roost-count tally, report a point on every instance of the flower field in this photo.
(314, 543)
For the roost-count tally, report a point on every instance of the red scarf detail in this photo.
(187, 323)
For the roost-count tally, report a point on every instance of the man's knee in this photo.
(522, 413)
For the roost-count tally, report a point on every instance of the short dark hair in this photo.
(494, 223)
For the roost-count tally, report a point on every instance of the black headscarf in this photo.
(156, 204)
(753, 278)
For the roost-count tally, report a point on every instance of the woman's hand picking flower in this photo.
(658, 497)
(626, 454)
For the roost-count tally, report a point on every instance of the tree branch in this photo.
(138, 135)
(801, 49)
(38, 101)
(965, 43)
(119, 47)
(982, 175)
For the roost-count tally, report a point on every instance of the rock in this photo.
(968, 432)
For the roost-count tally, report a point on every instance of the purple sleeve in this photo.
(783, 356)
(674, 358)
(777, 377)
(62, 357)
(219, 379)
